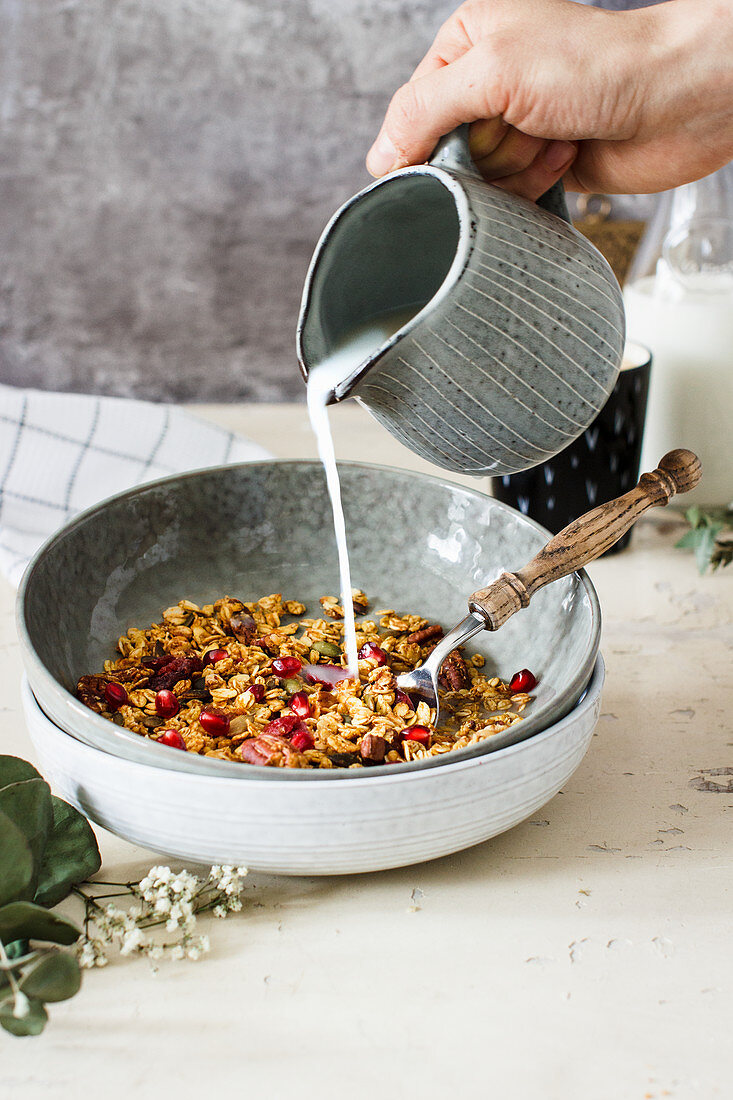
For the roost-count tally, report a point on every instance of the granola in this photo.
(262, 684)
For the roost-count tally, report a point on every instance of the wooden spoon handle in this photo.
(586, 538)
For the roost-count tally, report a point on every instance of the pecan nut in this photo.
(244, 628)
(90, 690)
(454, 673)
(427, 634)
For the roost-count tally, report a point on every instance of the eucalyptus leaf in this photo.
(16, 949)
(24, 920)
(689, 540)
(705, 546)
(55, 978)
(15, 770)
(32, 1024)
(16, 863)
(71, 854)
(28, 805)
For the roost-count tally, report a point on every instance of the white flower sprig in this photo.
(163, 901)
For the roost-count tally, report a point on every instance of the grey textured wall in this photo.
(165, 169)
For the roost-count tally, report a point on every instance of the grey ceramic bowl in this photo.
(417, 543)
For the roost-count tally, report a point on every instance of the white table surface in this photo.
(585, 954)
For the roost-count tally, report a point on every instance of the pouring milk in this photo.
(358, 344)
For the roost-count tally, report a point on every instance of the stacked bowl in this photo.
(417, 544)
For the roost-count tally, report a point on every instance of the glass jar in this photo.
(679, 303)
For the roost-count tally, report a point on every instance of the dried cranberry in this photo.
(258, 692)
(401, 696)
(302, 739)
(215, 722)
(215, 655)
(286, 666)
(166, 704)
(421, 734)
(156, 663)
(371, 650)
(173, 739)
(178, 668)
(115, 696)
(300, 705)
(521, 681)
(283, 726)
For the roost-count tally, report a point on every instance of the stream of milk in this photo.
(358, 344)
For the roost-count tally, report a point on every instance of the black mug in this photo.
(599, 465)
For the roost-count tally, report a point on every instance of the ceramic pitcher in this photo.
(518, 332)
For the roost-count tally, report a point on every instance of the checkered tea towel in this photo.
(60, 453)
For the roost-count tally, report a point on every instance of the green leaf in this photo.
(55, 978)
(705, 546)
(16, 863)
(15, 770)
(28, 805)
(16, 949)
(693, 516)
(689, 540)
(24, 920)
(32, 1024)
(71, 854)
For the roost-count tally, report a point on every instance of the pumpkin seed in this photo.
(291, 685)
(327, 649)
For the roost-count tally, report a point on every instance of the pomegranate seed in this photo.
(421, 734)
(372, 650)
(215, 722)
(173, 739)
(401, 696)
(328, 675)
(283, 726)
(166, 704)
(299, 705)
(302, 739)
(524, 680)
(115, 696)
(286, 666)
(258, 692)
(215, 655)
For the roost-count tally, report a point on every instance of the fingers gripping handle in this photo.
(586, 538)
(453, 152)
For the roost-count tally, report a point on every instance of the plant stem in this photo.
(11, 977)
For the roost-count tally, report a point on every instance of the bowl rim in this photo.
(208, 765)
(590, 698)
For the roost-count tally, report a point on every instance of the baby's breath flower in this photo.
(132, 941)
(161, 899)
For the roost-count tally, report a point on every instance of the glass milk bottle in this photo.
(679, 303)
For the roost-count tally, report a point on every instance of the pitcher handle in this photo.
(453, 154)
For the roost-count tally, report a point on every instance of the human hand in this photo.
(629, 102)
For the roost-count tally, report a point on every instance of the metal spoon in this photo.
(582, 541)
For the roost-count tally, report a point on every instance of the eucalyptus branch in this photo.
(20, 1001)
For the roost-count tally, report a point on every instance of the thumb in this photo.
(425, 109)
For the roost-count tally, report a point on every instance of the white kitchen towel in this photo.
(60, 453)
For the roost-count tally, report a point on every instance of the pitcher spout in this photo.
(382, 262)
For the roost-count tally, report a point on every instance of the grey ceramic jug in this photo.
(519, 330)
